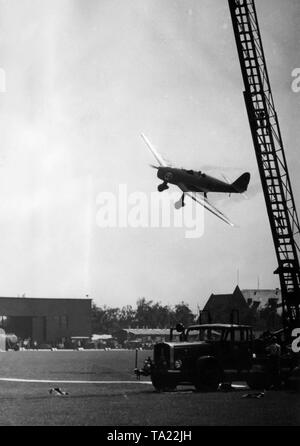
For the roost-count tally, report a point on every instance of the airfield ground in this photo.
(121, 401)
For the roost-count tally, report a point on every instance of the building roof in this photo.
(221, 305)
(148, 331)
(102, 337)
(45, 299)
(197, 327)
(262, 296)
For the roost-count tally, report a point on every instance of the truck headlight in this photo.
(178, 364)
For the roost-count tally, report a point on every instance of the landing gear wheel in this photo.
(162, 187)
(180, 204)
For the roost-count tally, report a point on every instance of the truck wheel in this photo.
(162, 383)
(292, 381)
(208, 377)
(258, 381)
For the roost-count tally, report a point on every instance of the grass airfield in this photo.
(102, 391)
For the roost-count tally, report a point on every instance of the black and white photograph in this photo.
(149, 199)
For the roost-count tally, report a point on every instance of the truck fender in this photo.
(209, 374)
(204, 360)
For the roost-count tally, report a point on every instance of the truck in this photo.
(208, 355)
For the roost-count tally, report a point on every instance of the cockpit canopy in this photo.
(196, 173)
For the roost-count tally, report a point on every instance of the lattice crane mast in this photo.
(270, 156)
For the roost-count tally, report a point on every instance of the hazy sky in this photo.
(83, 79)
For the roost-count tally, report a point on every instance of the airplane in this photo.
(196, 184)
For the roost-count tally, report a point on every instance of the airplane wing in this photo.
(206, 204)
(154, 152)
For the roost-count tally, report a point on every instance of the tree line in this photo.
(146, 314)
(149, 314)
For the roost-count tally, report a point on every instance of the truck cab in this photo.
(206, 355)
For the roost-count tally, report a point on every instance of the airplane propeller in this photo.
(161, 161)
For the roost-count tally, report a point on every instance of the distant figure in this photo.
(274, 353)
(147, 366)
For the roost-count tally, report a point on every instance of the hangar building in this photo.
(45, 320)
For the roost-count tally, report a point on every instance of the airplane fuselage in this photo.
(193, 180)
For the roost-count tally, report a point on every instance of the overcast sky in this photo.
(83, 79)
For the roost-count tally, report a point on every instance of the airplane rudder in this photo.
(241, 184)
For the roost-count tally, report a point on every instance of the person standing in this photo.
(273, 360)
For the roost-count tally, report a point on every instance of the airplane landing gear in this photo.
(162, 187)
(180, 204)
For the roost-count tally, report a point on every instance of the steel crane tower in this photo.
(270, 156)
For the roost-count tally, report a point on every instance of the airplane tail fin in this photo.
(241, 184)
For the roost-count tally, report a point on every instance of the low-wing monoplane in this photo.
(196, 184)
